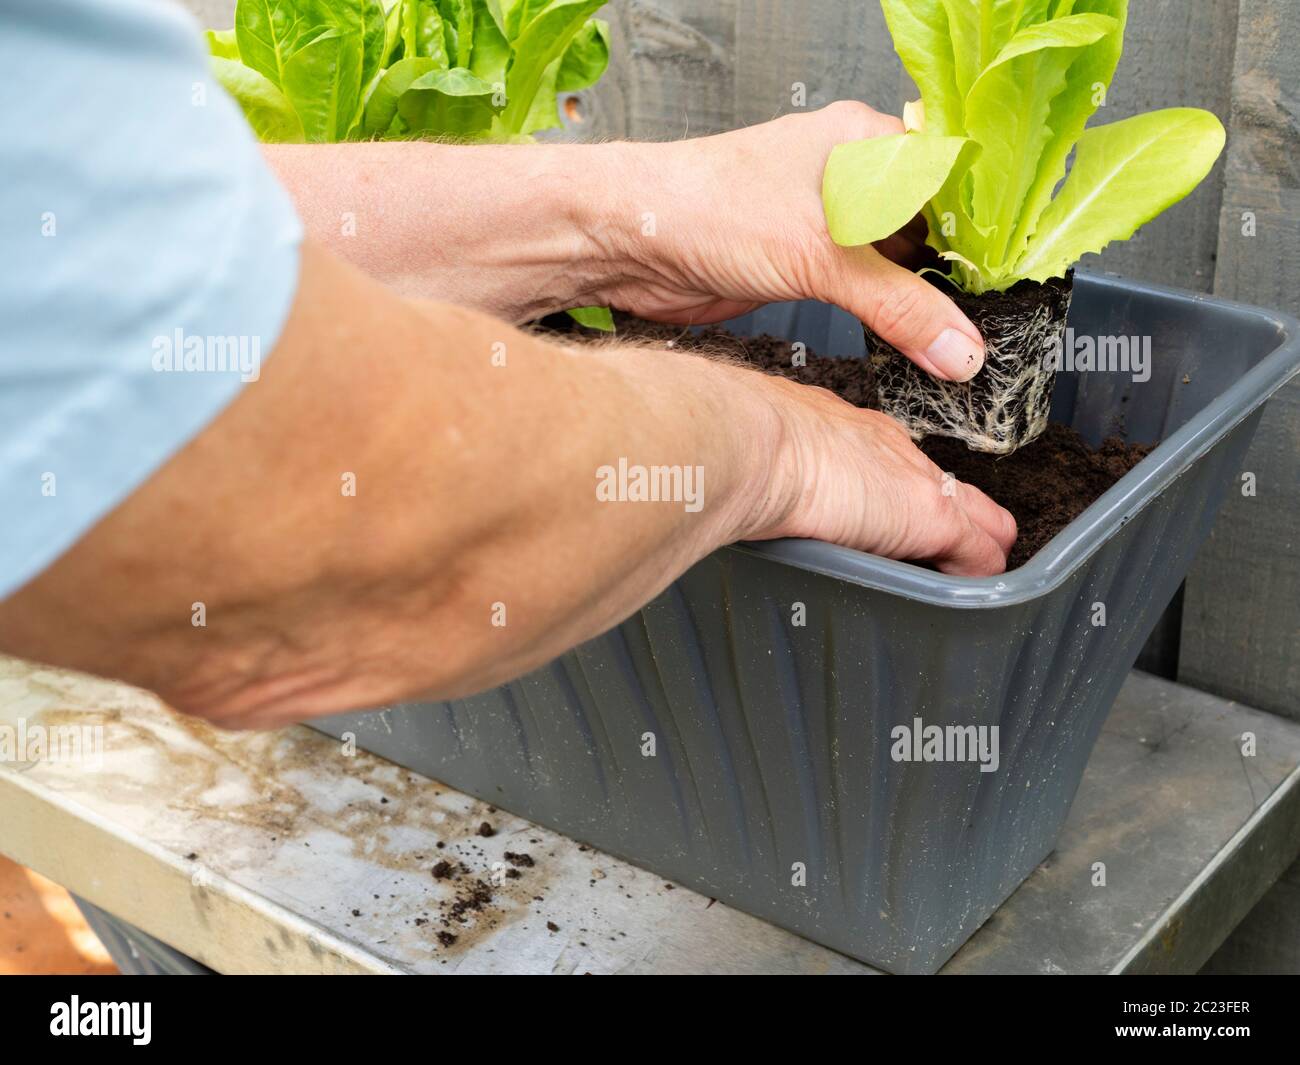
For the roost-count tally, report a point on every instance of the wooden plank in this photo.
(672, 70)
(1241, 626)
(1227, 890)
(1268, 940)
(278, 852)
(1176, 814)
(797, 56)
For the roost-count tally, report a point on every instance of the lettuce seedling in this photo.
(1007, 87)
(333, 70)
(464, 70)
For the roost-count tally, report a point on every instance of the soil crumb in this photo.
(1045, 485)
(473, 899)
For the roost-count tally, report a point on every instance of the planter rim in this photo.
(1069, 549)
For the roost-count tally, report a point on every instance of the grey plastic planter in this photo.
(773, 740)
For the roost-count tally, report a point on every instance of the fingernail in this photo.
(955, 354)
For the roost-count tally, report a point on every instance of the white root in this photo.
(1007, 403)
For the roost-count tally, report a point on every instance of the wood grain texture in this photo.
(671, 72)
(830, 51)
(1267, 942)
(1241, 625)
(1177, 53)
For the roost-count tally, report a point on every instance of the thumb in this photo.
(911, 314)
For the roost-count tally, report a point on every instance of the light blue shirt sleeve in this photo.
(148, 260)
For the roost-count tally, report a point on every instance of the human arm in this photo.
(687, 231)
(474, 486)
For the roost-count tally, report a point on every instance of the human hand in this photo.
(711, 228)
(855, 478)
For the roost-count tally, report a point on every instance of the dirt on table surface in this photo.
(1045, 485)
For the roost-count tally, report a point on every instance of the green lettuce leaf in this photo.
(593, 318)
(544, 112)
(1124, 174)
(586, 58)
(342, 65)
(423, 33)
(1014, 83)
(515, 15)
(922, 41)
(381, 107)
(458, 30)
(1009, 17)
(491, 53)
(1007, 112)
(321, 54)
(1089, 78)
(541, 40)
(267, 109)
(222, 43)
(979, 29)
(872, 188)
(452, 103)
(266, 32)
(392, 32)
(496, 11)
(322, 79)
(582, 64)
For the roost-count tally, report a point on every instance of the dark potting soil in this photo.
(1045, 484)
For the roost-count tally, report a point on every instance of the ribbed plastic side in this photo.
(772, 739)
(769, 683)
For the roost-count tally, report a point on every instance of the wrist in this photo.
(752, 434)
(539, 227)
(693, 411)
(611, 191)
